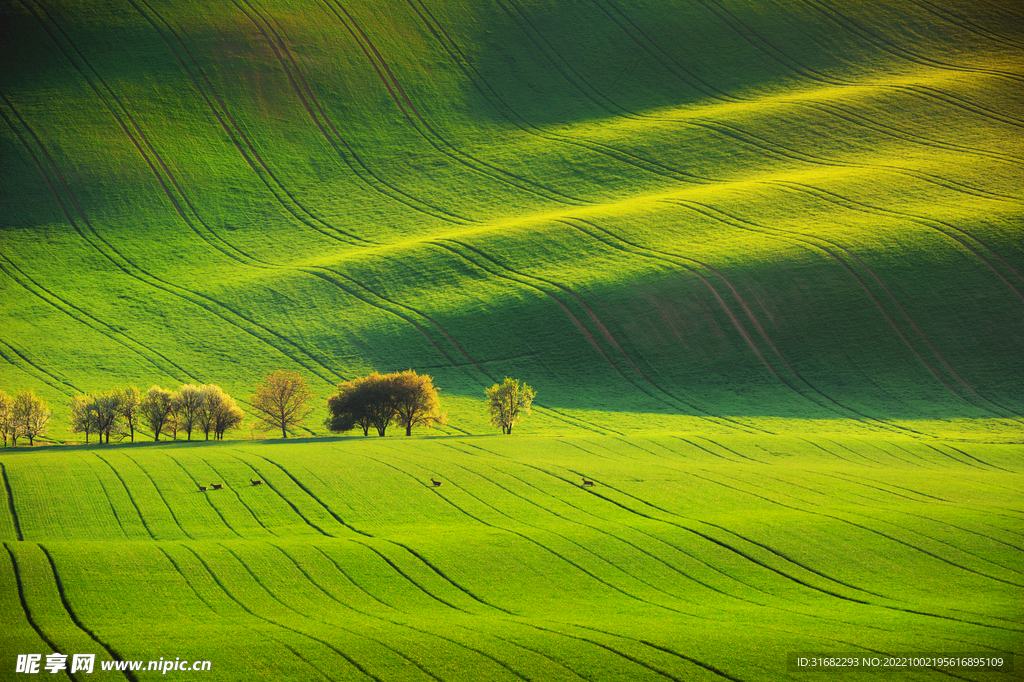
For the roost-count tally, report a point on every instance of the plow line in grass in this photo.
(371, 179)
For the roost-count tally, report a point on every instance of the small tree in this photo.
(156, 409)
(31, 415)
(188, 403)
(229, 416)
(509, 403)
(83, 415)
(416, 402)
(131, 409)
(213, 401)
(280, 401)
(348, 408)
(6, 420)
(107, 405)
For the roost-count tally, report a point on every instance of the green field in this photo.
(691, 558)
(762, 261)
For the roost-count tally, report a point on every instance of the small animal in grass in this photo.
(216, 486)
(202, 488)
(255, 482)
(437, 484)
(586, 482)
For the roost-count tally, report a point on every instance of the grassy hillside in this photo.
(681, 215)
(691, 558)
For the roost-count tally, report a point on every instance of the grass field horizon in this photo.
(762, 261)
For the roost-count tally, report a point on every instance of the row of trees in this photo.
(279, 403)
(24, 415)
(378, 400)
(121, 411)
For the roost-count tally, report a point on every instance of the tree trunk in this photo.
(284, 432)
(408, 429)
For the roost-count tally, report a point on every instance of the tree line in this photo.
(280, 402)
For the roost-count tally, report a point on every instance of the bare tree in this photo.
(280, 401)
(31, 415)
(509, 403)
(6, 421)
(156, 409)
(416, 402)
(188, 401)
(83, 415)
(130, 407)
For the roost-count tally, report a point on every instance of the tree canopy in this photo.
(379, 399)
(280, 401)
(509, 403)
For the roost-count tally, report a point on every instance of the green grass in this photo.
(691, 554)
(763, 263)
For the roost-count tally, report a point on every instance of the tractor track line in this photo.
(57, 383)
(27, 611)
(237, 497)
(142, 519)
(305, 95)
(160, 494)
(233, 620)
(274, 623)
(10, 503)
(74, 617)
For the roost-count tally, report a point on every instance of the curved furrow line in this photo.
(851, 204)
(621, 654)
(252, 613)
(24, 605)
(651, 48)
(967, 24)
(142, 519)
(331, 624)
(854, 452)
(837, 455)
(409, 578)
(848, 115)
(646, 516)
(235, 134)
(10, 503)
(775, 54)
(47, 378)
(886, 453)
(780, 150)
(238, 497)
(76, 620)
(893, 485)
(885, 606)
(912, 454)
(862, 515)
(158, 492)
(674, 569)
(657, 539)
(330, 133)
(711, 452)
(207, 497)
(542, 545)
(110, 502)
(573, 542)
(160, 169)
(976, 459)
(434, 634)
(857, 525)
(235, 621)
(521, 278)
(69, 309)
(675, 260)
(506, 110)
(116, 258)
(427, 131)
(285, 499)
(875, 39)
(813, 241)
(667, 650)
(856, 119)
(735, 452)
(407, 626)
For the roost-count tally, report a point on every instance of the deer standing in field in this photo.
(255, 482)
(202, 488)
(216, 486)
(586, 482)
(437, 484)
